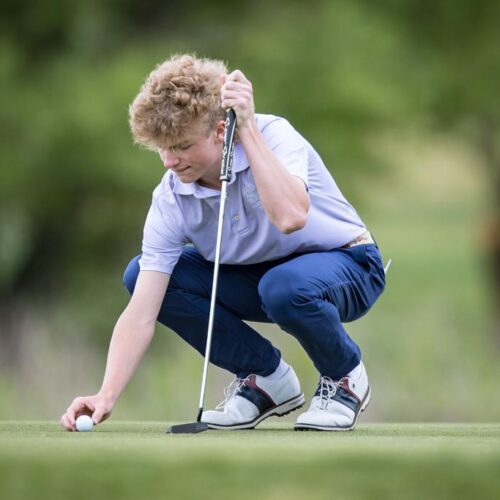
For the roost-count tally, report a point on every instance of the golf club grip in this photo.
(228, 149)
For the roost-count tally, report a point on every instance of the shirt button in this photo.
(236, 218)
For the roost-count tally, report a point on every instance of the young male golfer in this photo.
(294, 252)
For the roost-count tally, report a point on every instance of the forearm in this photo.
(133, 332)
(131, 337)
(283, 195)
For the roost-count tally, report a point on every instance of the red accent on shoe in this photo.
(251, 381)
(344, 383)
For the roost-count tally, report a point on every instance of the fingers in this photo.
(237, 76)
(99, 414)
(68, 420)
(236, 85)
(237, 93)
(66, 423)
(239, 108)
(230, 91)
(233, 99)
(79, 406)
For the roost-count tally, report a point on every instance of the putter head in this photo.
(191, 428)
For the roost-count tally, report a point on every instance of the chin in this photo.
(186, 179)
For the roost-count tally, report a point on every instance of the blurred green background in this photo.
(399, 97)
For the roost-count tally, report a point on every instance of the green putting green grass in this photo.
(137, 460)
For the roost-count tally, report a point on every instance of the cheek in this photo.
(197, 152)
(204, 155)
(215, 152)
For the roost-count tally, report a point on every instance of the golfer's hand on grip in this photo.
(98, 407)
(237, 93)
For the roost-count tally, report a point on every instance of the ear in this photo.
(220, 126)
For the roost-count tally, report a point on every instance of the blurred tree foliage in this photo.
(457, 44)
(74, 191)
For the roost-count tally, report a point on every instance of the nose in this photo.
(168, 158)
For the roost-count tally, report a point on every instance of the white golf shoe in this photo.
(336, 405)
(249, 401)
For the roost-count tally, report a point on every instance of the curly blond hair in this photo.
(179, 93)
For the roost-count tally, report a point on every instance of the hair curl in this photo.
(178, 93)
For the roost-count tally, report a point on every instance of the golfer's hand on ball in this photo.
(237, 93)
(97, 407)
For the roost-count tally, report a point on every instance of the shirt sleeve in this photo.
(164, 237)
(288, 146)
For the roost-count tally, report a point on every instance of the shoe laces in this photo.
(327, 389)
(230, 391)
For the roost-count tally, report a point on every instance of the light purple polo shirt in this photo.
(188, 213)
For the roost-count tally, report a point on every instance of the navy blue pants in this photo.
(307, 295)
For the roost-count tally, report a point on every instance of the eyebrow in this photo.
(179, 144)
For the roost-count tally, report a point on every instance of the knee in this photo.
(281, 293)
(131, 273)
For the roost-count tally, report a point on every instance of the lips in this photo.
(181, 170)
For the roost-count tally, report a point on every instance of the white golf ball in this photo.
(84, 423)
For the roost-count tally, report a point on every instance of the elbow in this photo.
(292, 224)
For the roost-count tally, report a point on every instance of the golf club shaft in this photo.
(225, 176)
(223, 197)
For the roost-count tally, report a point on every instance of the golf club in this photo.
(225, 176)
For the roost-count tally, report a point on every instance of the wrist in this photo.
(108, 395)
(248, 128)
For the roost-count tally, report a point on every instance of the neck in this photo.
(212, 178)
(217, 184)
